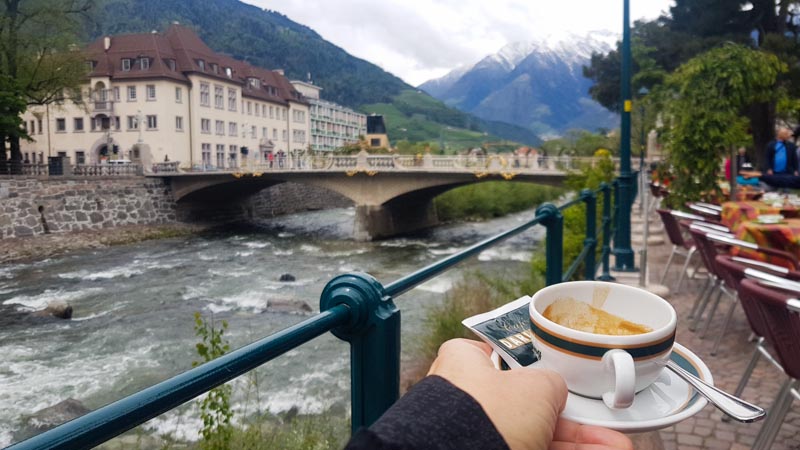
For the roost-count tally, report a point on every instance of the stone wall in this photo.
(289, 198)
(30, 206)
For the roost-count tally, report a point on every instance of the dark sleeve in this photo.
(791, 151)
(433, 415)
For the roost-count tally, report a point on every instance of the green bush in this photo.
(492, 199)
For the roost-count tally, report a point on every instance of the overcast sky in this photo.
(422, 39)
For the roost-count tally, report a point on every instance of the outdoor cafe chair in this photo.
(735, 270)
(680, 246)
(708, 252)
(712, 206)
(712, 214)
(781, 310)
(710, 244)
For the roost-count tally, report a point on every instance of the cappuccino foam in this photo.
(582, 316)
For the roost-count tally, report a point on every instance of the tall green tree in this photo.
(38, 57)
(709, 96)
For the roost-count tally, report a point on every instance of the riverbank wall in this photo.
(31, 206)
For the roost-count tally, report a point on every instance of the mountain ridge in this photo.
(536, 84)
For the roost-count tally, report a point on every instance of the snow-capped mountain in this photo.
(538, 85)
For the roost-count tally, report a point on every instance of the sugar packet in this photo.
(507, 330)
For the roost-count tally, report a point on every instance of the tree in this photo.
(38, 56)
(709, 96)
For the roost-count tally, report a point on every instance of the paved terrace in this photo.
(706, 430)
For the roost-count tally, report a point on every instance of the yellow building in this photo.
(168, 96)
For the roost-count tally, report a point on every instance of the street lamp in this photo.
(623, 253)
(642, 184)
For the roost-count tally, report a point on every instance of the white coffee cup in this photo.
(611, 367)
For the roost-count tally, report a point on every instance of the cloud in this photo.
(422, 39)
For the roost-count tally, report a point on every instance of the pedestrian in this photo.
(782, 170)
(270, 158)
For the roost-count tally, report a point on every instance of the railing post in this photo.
(374, 336)
(606, 275)
(591, 232)
(554, 242)
(615, 217)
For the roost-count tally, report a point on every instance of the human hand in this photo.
(769, 171)
(523, 404)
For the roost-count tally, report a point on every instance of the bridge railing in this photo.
(358, 309)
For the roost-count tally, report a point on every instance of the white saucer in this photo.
(666, 402)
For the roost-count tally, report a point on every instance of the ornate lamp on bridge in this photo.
(622, 240)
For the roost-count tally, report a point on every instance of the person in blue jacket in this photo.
(782, 154)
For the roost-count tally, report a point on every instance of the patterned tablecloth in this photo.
(783, 236)
(733, 213)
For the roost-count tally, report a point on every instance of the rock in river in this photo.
(58, 308)
(287, 277)
(49, 417)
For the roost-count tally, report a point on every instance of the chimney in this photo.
(107, 42)
(175, 22)
(279, 71)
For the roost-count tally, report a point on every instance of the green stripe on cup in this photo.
(597, 352)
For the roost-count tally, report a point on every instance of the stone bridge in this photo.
(393, 194)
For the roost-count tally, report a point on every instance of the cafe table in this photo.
(733, 213)
(784, 235)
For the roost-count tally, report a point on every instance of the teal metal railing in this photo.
(357, 308)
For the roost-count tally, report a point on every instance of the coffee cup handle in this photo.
(620, 363)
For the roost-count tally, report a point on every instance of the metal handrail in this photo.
(356, 308)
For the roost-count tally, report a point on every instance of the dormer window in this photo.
(126, 64)
(170, 64)
(228, 72)
(91, 65)
(201, 64)
(254, 83)
(214, 68)
(144, 63)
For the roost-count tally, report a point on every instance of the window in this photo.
(219, 97)
(91, 65)
(285, 136)
(78, 124)
(201, 64)
(116, 122)
(152, 122)
(144, 63)
(375, 142)
(178, 123)
(232, 155)
(263, 132)
(131, 93)
(116, 94)
(206, 155)
(133, 123)
(126, 65)
(228, 72)
(249, 108)
(253, 132)
(171, 64)
(220, 127)
(205, 126)
(151, 92)
(80, 157)
(220, 155)
(204, 95)
(178, 95)
(232, 99)
(255, 83)
(271, 112)
(214, 68)
(275, 134)
(41, 129)
(233, 129)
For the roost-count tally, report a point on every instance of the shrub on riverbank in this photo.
(492, 199)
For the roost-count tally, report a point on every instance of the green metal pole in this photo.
(591, 232)
(622, 240)
(374, 336)
(554, 242)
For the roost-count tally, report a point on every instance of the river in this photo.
(134, 305)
